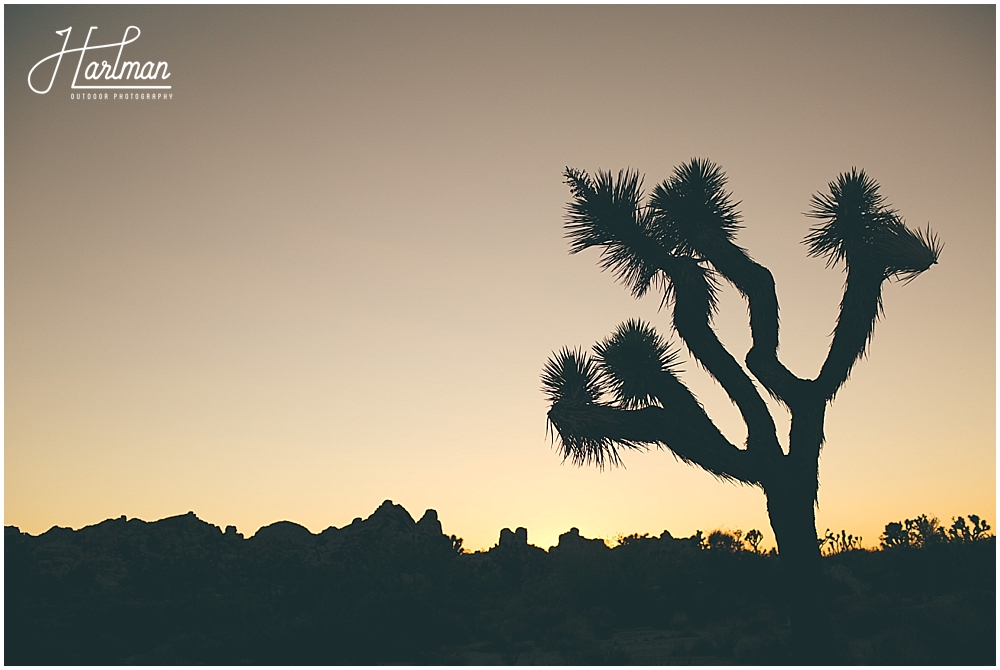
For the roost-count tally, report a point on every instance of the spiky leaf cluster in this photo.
(629, 370)
(906, 253)
(692, 211)
(608, 212)
(572, 383)
(584, 438)
(571, 377)
(852, 214)
(859, 228)
(634, 359)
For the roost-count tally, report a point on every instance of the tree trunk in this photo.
(790, 506)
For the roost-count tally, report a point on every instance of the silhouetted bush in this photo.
(925, 531)
(962, 532)
(832, 543)
(720, 540)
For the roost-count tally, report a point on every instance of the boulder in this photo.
(515, 539)
(284, 532)
(572, 542)
(429, 523)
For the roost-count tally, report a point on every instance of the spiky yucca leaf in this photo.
(853, 215)
(571, 377)
(572, 382)
(583, 435)
(607, 212)
(906, 253)
(692, 211)
(635, 358)
(859, 227)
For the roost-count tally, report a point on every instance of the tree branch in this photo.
(691, 319)
(756, 284)
(860, 229)
(695, 218)
(859, 310)
(593, 433)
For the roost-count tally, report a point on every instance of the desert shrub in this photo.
(894, 535)
(832, 543)
(724, 541)
(926, 531)
(626, 540)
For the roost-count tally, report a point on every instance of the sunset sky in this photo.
(329, 270)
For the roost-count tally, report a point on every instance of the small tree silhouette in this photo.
(927, 531)
(680, 242)
(960, 531)
(754, 538)
(895, 535)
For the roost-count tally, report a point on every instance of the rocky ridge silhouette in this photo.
(388, 589)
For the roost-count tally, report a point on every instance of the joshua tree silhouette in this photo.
(680, 242)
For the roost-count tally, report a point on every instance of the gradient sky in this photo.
(329, 271)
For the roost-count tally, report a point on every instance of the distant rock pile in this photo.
(511, 540)
(572, 541)
(110, 548)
